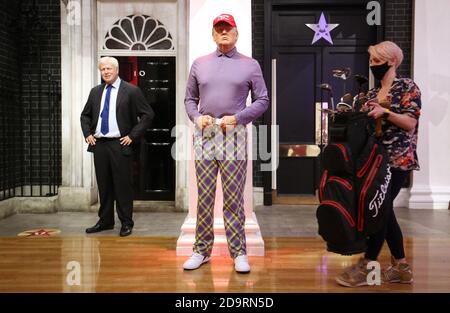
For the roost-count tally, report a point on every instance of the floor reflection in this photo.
(149, 264)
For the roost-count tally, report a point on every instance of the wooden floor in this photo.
(149, 264)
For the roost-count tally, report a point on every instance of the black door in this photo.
(300, 67)
(297, 74)
(153, 166)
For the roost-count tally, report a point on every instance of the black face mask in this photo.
(380, 70)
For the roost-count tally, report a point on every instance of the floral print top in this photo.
(400, 144)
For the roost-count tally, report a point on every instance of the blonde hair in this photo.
(389, 51)
(108, 60)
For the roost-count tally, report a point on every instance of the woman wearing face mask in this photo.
(399, 137)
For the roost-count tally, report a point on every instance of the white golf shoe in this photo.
(195, 261)
(241, 264)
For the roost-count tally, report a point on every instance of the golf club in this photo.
(329, 89)
(345, 105)
(344, 74)
(360, 80)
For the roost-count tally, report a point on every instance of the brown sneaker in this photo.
(355, 275)
(397, 273)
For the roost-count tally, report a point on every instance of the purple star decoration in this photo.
(322, 30)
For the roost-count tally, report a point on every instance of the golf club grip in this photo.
(378, 129)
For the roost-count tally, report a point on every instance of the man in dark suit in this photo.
(111, 127)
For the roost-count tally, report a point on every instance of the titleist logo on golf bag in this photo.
(354, 185)
(380, 195)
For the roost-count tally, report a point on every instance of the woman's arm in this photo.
(403, 121)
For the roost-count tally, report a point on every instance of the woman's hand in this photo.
(377, 111)
(403, 121)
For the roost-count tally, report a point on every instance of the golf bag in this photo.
(353, 188)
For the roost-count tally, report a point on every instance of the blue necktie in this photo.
(105, 113)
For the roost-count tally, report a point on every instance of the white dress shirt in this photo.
(112, 120)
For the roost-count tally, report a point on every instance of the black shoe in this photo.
(98, 228)
(125, 231)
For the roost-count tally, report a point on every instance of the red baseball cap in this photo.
(227, 18)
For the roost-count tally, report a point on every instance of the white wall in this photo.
(431, 185)
(78, 76)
